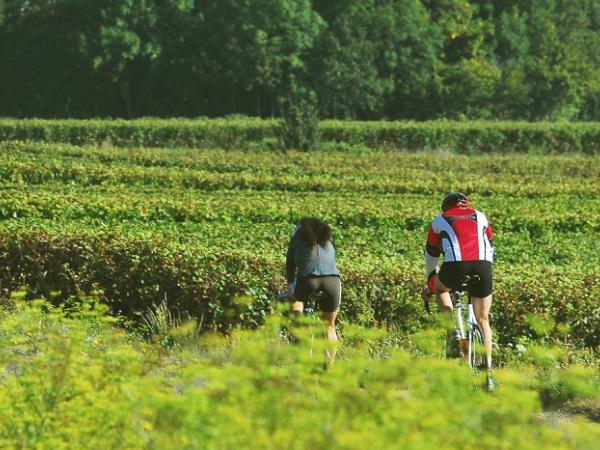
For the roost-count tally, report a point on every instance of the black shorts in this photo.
(452, 273)
(330, 285)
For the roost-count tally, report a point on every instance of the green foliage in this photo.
(75, 380)
(540, 325)
(206, 228)
(366, 59)
(301, 128)
(230, 132)
(68, 378)
(471, 86)
(352, 64)
(189, 245)
(252, 50)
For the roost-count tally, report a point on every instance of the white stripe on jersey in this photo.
(486, 251)
(450, 248)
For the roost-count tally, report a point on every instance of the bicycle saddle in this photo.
(468, 280)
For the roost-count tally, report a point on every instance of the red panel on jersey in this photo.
(459, 211)
(466, 232)
(432, 238)
(431, 283)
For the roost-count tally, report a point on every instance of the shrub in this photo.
(300, 127)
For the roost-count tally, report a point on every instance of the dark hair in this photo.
(315, 231)
(453, 198)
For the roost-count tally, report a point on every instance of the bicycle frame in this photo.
(310, 305)
(465, 333)
(310, 310)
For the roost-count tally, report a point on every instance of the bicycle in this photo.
(466, 340)
(310, 323)
(470, 341)
(309, 306)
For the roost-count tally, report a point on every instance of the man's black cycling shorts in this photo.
(452, 273)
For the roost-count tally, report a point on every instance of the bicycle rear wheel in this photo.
(477, 357)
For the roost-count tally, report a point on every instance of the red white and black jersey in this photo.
(461, 234)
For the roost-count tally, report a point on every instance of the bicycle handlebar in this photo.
(426, 305)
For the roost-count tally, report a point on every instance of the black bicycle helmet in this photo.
(453, 198)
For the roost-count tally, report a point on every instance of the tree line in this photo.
(347, 59)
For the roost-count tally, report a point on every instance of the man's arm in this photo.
(432, 255)
(431, 271)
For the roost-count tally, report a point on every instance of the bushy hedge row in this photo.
(470, 136)
(227, 289)
(226, 133)
(230, 133)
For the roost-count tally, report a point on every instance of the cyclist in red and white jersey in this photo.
(463, 236)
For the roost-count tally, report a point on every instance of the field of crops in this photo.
(202, 227)
(204, 233)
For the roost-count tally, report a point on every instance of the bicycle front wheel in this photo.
(477, 357)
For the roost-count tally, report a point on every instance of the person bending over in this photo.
(311, 267)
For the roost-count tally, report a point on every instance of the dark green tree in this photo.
(245, 54)
(352, 65)
(417, 43)
(41, 73)
(467, 78)
(123, 45)
(368, 59)
(547, 52)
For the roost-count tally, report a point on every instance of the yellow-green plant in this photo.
(72, 379)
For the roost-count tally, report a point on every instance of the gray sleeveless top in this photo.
(304, 261)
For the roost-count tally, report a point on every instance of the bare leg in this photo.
(481, 308)
(442, 295)
(329, 318)
(297, 307)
